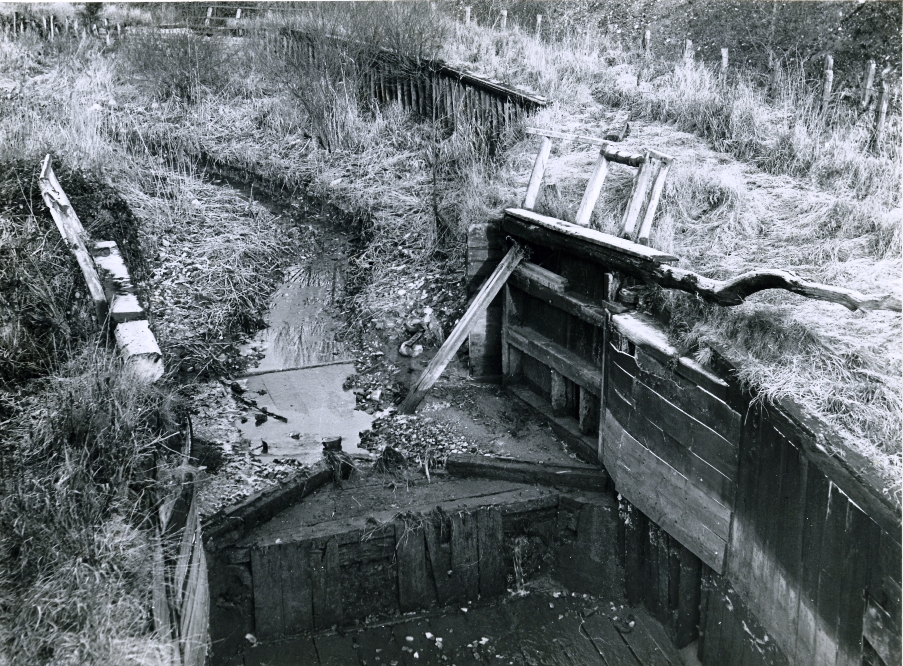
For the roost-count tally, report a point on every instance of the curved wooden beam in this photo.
(738, 289)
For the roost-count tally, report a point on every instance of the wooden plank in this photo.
(608, 641)
(595, 245)
(688, 514)
(722, 489)
(657, 187)
(570, 302)
(636, 529)
(882, 633)
(440, 563)
(650, 643)
(813, 530)
(557, 357)
(586, 477)
(687, 618)
(693, 434)
(490, 544)
(415, 590)
(637, 197)
(326, 580)
(539, 167)
(336, 650)
(558, 393)
(829, 579)
(282, 590)
(588, 412)
(465, 554)
(454, 341)
(690, 397)
(593, 188)
(267, 581)
(854, 583)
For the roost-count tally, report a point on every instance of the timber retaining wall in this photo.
(736, 523)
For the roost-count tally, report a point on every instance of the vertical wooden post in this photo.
(44, 24)
(882, 113)
(503, 19)
(869, 81)
(558, 393)
(238, 13)
(467, 16)
(538, 24)
(119, 31)
(828, 81)
(539, 167)
(688, 50)
(15, 22)
(209, 14)
(647, 43)
(724, 60)
(593, 187)
(52, 28)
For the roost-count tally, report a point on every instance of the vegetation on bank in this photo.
(762, 179)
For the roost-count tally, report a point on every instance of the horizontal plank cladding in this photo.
(557, 357)
(610, 250)
(550, 287)
(667, 497)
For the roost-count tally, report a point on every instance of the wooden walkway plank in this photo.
(608, 641)
(487, 293)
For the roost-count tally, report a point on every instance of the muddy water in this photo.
(304, 363)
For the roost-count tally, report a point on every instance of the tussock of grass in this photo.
(79, 483)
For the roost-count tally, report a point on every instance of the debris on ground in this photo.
(417, 439)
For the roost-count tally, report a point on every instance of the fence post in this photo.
(209, 14)
(688, 50)
(869, 81)
(829, 81)
(118, 31)
(647, 43)
(467, 16)
(504, 19)
(15, 23)
(538, 24)
(238, 13)
(52, 28)
(882, 114)
(44, 24)
(724, 60)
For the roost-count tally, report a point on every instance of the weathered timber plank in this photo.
(671, 501)
(690, 397)
(267, 593)
(813, 530)
(440, 562)
(530, 274)
(626, 362)
(415, 590)
(854, 582)
(490, 544)
(608, 641)
(587, 477)
(539, 167)
(557, 357)
(488, 292)
(651, 644)
(282, 590)
(722, 489)
(336, 650)
(829, 579)
(593, 188)
(687, 618)
(636, 541)
(326, 583)
(621, 384)
(558, 393)
(882, 633)
(693, 434)
(565, 427)
(465, 554)
(542, 318)
(558, 234)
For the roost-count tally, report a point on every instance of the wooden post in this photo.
(238, 13)
(558, 393)
(647, 43)
(688, 50)
(487, 293)
(118, 31)
(538, 24)
(52, 28)
(209, 14)
(648, 218)
(869, 81)
(882, 114)
(504, 19)
(724, 60)
(828, 82)
(636, 199)
(467, 16)
(593, 188)
(15, 22)
(539, 167)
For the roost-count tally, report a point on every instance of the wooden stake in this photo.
(869, 81)
(688, 50)
(829, 81)
(209, 14)
(724, 60)
(539, 167)
(538, 24)
(647, 43)
(504, 19)
(657, 187)
(487, 293)
(593, 188)
(52, 28)
(882, 113)
(640, 186)
(238, 13)
(467, 16)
